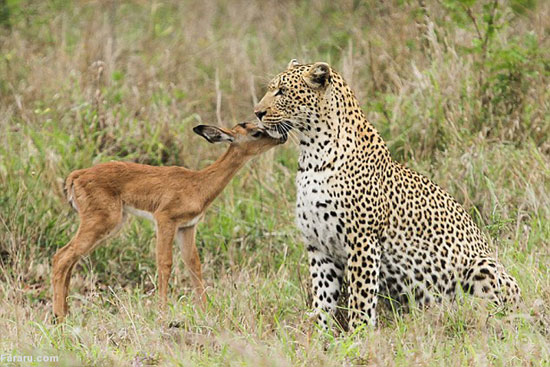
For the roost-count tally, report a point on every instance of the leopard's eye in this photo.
(279, 92)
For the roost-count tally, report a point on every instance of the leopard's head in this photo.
(294, 98)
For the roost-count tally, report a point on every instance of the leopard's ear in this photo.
(292, 64)
(318, 76)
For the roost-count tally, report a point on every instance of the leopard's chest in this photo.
(319, 212)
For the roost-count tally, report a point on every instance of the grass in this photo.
(459, 91)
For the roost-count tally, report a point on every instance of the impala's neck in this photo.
(218, 174)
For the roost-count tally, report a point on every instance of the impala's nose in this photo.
(260, 114)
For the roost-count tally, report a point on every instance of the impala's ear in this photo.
(318, 76)
(213, 134)
(292, 64)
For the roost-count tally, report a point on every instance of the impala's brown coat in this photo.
(174, 197)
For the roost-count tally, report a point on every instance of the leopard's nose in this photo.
(260, 114)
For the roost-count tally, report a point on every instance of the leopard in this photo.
(372, 227)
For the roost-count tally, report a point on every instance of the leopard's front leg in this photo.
(363, 271)
(326, 282)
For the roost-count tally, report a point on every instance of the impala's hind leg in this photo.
(93, 228)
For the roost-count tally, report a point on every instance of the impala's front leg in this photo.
(363, 272)
(166, 229)
(326, 283)
(186, 240)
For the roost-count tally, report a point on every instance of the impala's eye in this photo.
(256, 134)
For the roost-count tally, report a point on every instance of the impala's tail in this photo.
(68, 188)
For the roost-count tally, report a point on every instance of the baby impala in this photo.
(175, 198)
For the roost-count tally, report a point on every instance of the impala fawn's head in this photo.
(247, 137)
